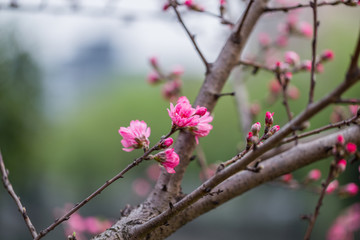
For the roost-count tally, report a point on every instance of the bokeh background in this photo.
(73, 72)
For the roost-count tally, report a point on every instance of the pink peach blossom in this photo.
(269, 119)
(306, 29)
(171, 89)
(135, 136)
(203, 127)
(154, 61)
(182, 114)
(351, 188)
(292, 57)
(167, 142)
(287, 178)
(306, 65)
(153, 77)
(340, 139)
(327, 55)
(341, 165)
(169, 159)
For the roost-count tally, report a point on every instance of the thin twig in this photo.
(319, 130)
(313, 60)
(105, 185)
(202, 161)
(192, 38)
(236, 35)
(255, 65)
(348, 101)
(285, 101)
(10, 189)
(314, 216)
(225, 94)
(286, 9)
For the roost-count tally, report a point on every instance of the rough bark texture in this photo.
(168, 187)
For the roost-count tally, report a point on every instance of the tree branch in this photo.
(286, 9)
(313, 52)
(10, 189)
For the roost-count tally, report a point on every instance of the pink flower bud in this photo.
(351, 148)
(222, 2)
(154, 62)
(200, 111)
(169, 159)
(188, 3)
(275, 87)
(341, 165)
(167, 142)
(166, 6)
(288, 75)
(319, 68)
(153, 78)
(327, 55)
(255, 128)
(314, 175)
(332, 187)
(306, 29)
(269, 118)
(352, 189)
(255, 109)
(292, 58)
(353, 109)
(249, 136)
(274, 129)
(282, 41)
(306, 65)
(293, 92)
(287, 178)
(264, 39)
(340, 139)
(178, 70)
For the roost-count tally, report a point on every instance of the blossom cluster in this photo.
(172, 81)
(184, 117)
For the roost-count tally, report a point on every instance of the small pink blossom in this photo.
(292, 58)
(255, 128)
(169, 159)
(273, 130)
(167, 142)
(351, 188)
(141, 187)
(293, 92)
(171, 89)
(292, 19)
(341, 165)
(200, 111)
(351, 148)
(178, 70)
(332, 187)
(154, 61)
(287, 178)
(166, 6)
(269, 119)
(203, 127)
(340, 139)
(306, 29)
(288, 75)
(275, 87)
(319, 68)
(182, 114)
(327, 55)
(282, 40)
(314, 175)
(264, 39)
(153, 78)
(306, 65)
(353, 109)
(135, 136)
(222, 2)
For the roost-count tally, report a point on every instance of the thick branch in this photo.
(297, 157)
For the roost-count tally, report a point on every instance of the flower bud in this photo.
(153, 78)
(351, 189)
(201, 111)
(351, 148)
(269, 119)
(306, 29)
(249, 140)
(341, 166)
(167, 142)
(340, 139)
(314, 175)
(288, 75)
(154, 61)
(332, 187)
(327, 55)
(287, 178)
(255, 128)
(306, 65)
(292, 58)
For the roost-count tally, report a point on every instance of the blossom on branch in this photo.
(135, 136)
(169, 159)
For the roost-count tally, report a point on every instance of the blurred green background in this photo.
(61, 156)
